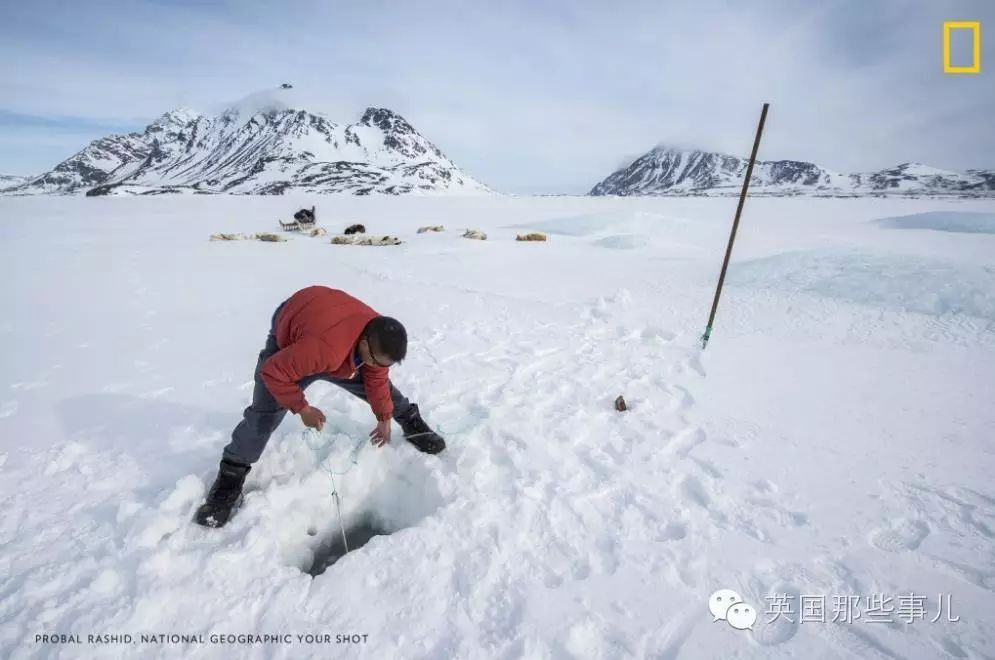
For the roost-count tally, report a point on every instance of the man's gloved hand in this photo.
(313, 418)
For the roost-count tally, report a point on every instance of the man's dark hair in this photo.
(387, 337)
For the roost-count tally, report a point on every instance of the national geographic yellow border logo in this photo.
(975, 28)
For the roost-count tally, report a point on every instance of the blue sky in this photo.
(524, 95)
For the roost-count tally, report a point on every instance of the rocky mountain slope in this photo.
(264, 146)
(669, 171)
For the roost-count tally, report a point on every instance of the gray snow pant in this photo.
(262, 417)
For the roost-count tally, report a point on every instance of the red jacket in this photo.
(317, 331)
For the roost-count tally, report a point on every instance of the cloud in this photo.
(524, 94)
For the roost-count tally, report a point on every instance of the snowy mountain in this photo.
(260, 146)
(916, 177)
(670, 171)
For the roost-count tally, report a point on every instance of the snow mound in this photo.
(898, 282)
(953, 221)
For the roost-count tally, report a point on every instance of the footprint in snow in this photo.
(707, 467)
(657, 334)
(765, 487)
(965, 510)
(673, 531)
(856, 642)
(691, 489)
(685, 441)
(902, 534)
(690, 365)
(781, 619)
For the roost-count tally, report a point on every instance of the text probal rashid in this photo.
(200, 638)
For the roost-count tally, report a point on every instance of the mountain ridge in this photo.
(258, 148)
(668, 170)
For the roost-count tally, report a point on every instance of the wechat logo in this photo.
(727, 605)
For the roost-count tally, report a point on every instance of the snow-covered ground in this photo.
(834, 441)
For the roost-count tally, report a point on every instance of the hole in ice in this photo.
(331, 549)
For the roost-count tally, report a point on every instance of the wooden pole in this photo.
(735, 225)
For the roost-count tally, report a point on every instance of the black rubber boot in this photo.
(418, 433)
(225, 495)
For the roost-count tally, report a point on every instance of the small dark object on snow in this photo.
(620, 404)
(355, 229)
(286, 86)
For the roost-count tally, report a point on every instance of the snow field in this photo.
(832, 439)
